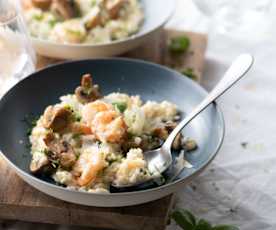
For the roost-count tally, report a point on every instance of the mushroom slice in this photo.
(66, 9)
(161, 133)
(54, 145)
(113, 7)
(178, 139)
(56, 118)
(42, 4)
(60, 150)
(39, 165)
(177, 142)
(87, 92)
(92, 19)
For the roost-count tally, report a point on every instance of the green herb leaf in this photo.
(120, 106)
(184, 219)
(189, 72)
(203, 225)
(30, 121)
(225, 227)
(75, 115)
(179, 45)
(52, 22)
(38, 17)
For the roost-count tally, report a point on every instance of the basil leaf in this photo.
(203, 225)
(225, 227)
(120, 106)
(179, 44)
(184, 219)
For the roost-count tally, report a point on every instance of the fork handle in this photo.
(236, 71)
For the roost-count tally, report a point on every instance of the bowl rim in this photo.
(158, 188)
(115, 42)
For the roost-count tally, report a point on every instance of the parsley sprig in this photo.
(179, 45)
(187, 221)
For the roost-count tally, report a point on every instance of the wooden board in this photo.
(19, 201)
(156, 51)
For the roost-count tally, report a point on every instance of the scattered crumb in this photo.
(212, 170)
(233, 210)
(215, 186)
(244, 144)
(193, 187)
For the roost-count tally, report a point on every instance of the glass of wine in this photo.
(17, 57)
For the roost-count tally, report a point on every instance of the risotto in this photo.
(83, 21)
(88, 141)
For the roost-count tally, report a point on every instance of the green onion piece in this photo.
(120, 106)
(38, 17)
(52, 22)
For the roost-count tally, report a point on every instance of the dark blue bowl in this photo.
(150, 81)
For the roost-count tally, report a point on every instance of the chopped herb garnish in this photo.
(189, 72)
(93, 3)
(75, 115)
(30, 122)
(29, 131)
(77, 155)
(76, 136)
(179, 45)
(120, 106)
(38, 17)
(52, 22)
(28, 146)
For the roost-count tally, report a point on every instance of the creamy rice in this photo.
(88, 141)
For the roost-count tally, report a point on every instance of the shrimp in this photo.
(80, 128)
(109, 127)
(107, 124)
(88, 166)
(90, 110)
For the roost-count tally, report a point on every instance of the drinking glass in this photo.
(17, 57)
(244, 19)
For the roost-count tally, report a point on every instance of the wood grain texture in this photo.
(156, 50)
(19, 201)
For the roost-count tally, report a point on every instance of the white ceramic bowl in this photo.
(157, 13)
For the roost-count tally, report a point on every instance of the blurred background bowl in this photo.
(157, 13)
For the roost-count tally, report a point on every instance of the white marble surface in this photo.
(239, 187)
